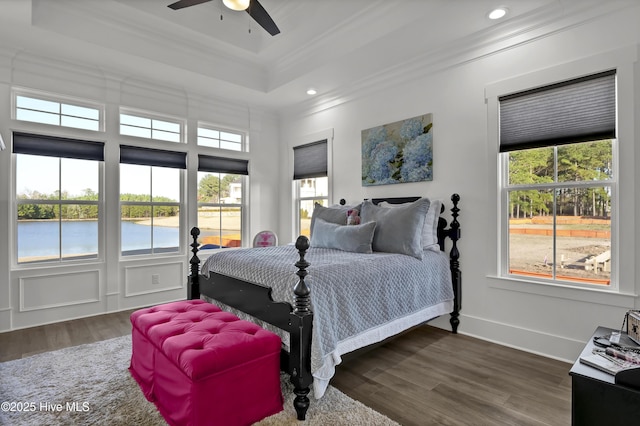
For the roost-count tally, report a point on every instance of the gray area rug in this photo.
(91, 385)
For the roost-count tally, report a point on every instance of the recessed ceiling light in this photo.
(497, 13)
(311, 91)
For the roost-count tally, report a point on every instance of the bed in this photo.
(326, 299)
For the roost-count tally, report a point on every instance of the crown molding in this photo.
(516, 32)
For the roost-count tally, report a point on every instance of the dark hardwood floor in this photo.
(426, 376)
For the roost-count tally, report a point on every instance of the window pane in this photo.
(135, 229)
(79, 231)
(38, 117)
(135, 131)
(230, 145)
(231, 226)
(133, 120)
(220, 227)
(531, 233)
(135, 182)
(165, 184)
(209, 223)
(80, 123)
(80, 179)
(306, 211)
(585, 161)
(530, 166)
(81, 112)
(314, 187)
(211, 143)
(37, 177)
(165, 136)
(208, 133)
(208, 187)
(37, 104)
(231, 137)
(38, 232)
(166, 126)
(583, 240)
(166, 229)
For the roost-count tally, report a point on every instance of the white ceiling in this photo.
(331, 45)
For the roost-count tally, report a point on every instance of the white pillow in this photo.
(430, 228)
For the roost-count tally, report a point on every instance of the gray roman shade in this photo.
(152, 157)
(208, 163)
(578, 110)
(310, 160)
(53, 146)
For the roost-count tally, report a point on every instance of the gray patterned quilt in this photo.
(357, 299)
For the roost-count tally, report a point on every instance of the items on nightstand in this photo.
(599, 396)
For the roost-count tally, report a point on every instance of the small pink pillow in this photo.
(353, 217)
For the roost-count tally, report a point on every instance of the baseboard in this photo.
(540, 343)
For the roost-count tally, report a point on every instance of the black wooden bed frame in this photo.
(297, 320)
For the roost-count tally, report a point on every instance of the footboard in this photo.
(257, 301)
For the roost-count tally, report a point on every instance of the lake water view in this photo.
(42, 238)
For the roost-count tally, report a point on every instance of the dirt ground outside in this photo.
(534, 253)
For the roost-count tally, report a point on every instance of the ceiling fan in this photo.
(253, 8)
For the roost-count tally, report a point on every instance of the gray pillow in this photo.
(354, 238)
(398, 230)
(334, 214)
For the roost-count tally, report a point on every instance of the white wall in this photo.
(552, 321)
(33, 295)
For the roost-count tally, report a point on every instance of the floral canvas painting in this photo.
(398, 152)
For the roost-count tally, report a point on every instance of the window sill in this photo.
(581, 294)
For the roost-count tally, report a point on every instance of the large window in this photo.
(150, 200)
(311, 179)
(57, 198)
(50, 110)
(559, 180)
(221, 183)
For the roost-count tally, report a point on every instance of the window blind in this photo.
(152, 157)
(53, 146)
(209, 163)
(310, 160)
(577, 110)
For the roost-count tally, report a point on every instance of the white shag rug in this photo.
(91, 385)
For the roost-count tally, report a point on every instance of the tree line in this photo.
(39, 211)
(575, 163)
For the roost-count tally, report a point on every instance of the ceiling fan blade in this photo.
(186, 3)
(260, 15)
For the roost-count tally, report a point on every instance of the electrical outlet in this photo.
(155, 279)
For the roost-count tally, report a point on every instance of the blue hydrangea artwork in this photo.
(398, 152)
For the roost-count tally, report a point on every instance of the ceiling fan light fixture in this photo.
(237, 4)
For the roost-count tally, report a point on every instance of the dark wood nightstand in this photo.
(596, 399)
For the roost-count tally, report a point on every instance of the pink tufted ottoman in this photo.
(203, 366)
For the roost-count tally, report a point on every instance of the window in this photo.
(221, 183)
(150, 200)
(143, 126)
(557, 150)
(57, 198)
(40, 109)
(217, 138)
(311, 179)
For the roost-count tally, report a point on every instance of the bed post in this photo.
(456, 274)
(193, 283)
(300, 334)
